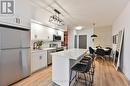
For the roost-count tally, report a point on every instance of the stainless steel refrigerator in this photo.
(14, 54)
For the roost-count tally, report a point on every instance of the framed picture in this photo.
(117, 54)
(115, 39)
(116, 42)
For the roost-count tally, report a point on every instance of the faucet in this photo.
(35, 45)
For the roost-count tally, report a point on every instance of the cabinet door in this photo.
(51, 32)
(43, 59)
(10, 20)
(35, 62)
(22, 12)
(61, 33)
(21, 17)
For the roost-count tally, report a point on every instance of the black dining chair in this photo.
(91, 50)
(108, 53)
(100, 53)
(98, 47)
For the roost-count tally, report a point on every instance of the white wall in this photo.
(73, 32)
(39, 14)
(71, 36)
(123, 22)
(87, 32)
(104, 38)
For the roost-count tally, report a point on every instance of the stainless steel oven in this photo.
(49, 56)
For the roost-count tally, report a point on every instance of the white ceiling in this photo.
(86, 12)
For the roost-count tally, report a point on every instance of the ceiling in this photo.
(86, 12)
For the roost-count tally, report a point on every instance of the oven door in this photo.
(49, 56)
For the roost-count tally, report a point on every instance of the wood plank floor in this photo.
(105, 75)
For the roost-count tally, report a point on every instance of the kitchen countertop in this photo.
(61, 64)
(44, 49)
(33, 51)
(48, 48)
(70, 53)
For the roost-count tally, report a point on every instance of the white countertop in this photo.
(48, 48)
(44, 49)
(33, 51)
(70, 53)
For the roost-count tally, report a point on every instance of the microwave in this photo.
(56, 38)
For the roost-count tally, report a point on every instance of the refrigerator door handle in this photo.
(25, 62)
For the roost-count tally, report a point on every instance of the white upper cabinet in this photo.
(51, 32)
(21, 16)
(40, 32)
(61, 33)
(22, 8)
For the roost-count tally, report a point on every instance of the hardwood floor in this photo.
(105, 75)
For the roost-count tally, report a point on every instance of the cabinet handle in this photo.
(40, 57)
(18, 20)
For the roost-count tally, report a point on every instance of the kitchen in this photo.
(29, 50)
(50, 40)
(42, 40)
(20, 33)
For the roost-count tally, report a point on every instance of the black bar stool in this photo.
(82, 69)
(92, 70)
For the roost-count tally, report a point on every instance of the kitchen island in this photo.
(62, 62)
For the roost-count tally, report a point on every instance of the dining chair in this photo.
(100, 53)
(91, 50)
(108, 53)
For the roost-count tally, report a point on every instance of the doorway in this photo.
(83, 41)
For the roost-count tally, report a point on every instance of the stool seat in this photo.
(82, 68)
(85, 59)
(79, 67)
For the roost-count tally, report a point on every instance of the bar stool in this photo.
(92, 70)
(82, 69)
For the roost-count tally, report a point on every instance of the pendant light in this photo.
(55, 18)
(94, 35)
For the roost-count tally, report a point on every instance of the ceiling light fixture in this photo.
(79, 28)
(55, 19)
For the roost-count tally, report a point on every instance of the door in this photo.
(10, 38)
(26, 61)
(49, 56)
(25, 39)
(35, 62)
(75, 44)
(43, 60)
(83, 41)
(10, 66)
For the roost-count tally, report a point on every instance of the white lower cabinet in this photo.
(39, 60)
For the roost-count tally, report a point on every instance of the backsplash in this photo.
(45, 44)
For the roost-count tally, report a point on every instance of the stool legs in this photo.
(70, 78)
(76, 77)
(85, 79)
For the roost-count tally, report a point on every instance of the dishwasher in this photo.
(49, 56)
